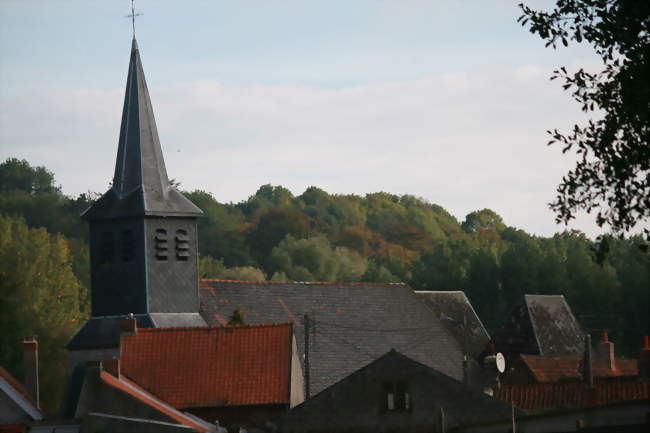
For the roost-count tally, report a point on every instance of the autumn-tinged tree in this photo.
(40, 296)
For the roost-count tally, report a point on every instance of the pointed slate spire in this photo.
(140, 184)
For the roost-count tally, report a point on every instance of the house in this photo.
(19, 404)
(394, 394)
(241, 375)
(349, 324)
(540, 325)
(542, 383)
(109, 401)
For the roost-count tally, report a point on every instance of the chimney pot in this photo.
(30, 362)
(129, 325)
(605, 351)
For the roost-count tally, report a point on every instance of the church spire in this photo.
(140, 184)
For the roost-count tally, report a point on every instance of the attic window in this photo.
(395, 397)
(182, 245)
(106, 248)
(160, 244)
(128, 246)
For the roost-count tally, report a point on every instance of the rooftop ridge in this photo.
(214, 327)
(304, 283)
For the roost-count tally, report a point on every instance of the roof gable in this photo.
(211, 366)
(353, 323)
(456, 312)
(429, 388)
(540, 325)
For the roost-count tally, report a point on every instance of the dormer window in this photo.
(106, 248)
(160, 244)
(182, 245)
(127, 247)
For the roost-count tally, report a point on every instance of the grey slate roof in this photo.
(354, 403)
(540, 325)
(104, 332)
(140, 184)
(355, 323)
(458, 315)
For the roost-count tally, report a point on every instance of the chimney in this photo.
(605, 351)
(587, 370)
(30, 360)
(128, 325)
(644, 360)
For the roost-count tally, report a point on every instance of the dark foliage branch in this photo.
(612, 174)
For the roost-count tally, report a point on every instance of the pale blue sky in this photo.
(447, 100)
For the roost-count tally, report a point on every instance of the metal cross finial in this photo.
(132, 16)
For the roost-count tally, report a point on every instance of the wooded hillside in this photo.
(317, 236)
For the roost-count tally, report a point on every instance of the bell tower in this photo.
(143, 235)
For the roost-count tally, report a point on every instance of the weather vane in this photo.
(132, 16)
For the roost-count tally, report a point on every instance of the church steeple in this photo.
(140, 184)
(143, 234)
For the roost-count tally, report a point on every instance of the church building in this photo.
(143, 238)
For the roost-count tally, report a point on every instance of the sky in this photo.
(442, 99)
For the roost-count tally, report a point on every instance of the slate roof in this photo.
(104, 332)
(463, 405)
(211, 366)
(140, 184)
(558, 368)
(355, 323)
(543, 396)
(457, 313)
(135, 391)
(540, 325)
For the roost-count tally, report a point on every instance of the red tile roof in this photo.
(557, 368)
(211, 366)
(125, 385)
(542, 396)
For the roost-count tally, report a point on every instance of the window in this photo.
(106, 248)
(182, 245)
(395, 397)
(127, 246)
(160, 244)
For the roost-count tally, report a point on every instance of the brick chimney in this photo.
(605, 351)
(129, 325)
(30, 360)
(644, 360)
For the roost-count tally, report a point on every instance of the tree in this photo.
(612, 174)
(39, 295)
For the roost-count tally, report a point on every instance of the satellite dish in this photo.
(501, 362)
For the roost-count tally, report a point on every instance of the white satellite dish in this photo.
(501, 362)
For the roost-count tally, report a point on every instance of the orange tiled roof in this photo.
(541, 396)
(557, 368)
(137, 392)
(211, 366)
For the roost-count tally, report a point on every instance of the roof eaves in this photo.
(140, 394)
